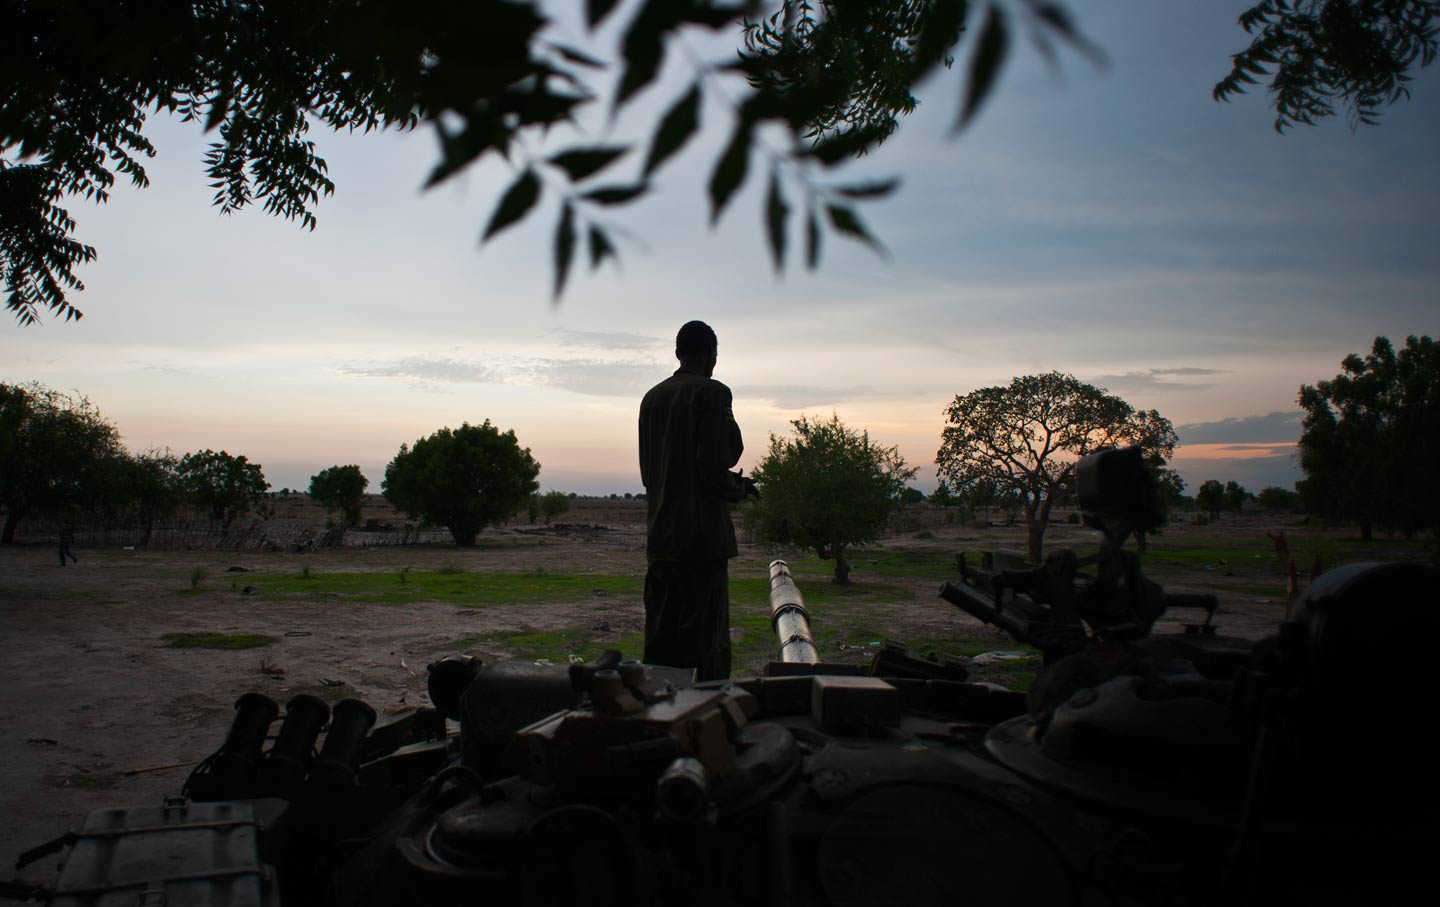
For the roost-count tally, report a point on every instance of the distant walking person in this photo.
(688, 442)
(67, 537)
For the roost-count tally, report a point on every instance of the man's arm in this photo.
(718, 446)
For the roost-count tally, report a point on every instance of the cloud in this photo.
(1156, 378)
(596, 377)
(609, 340)
(425, 371)
(801, 396)
(1269, 428)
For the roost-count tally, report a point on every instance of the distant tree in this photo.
(942, 496)
(222, 485)
(554, 503)
(145, 488)
(1371, 439)
(910, 496)
(55, 452)
(826, 488)
(1211, 497)
(1279, 500)
(464, 479)
(1235, 496)
(629, 496)
(1025, 439)
(341, 488)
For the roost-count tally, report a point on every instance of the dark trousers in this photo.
(687, 616)
(65, 552)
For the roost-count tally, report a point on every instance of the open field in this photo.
(116, 671)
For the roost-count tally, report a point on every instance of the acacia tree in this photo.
(222, 485)
(55, 450)
(341, 488)
(828, 488)
(1026, 437)
(464, 478)
(1371, 438)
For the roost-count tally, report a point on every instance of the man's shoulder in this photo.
(687, 383)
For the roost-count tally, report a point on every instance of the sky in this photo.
(1112, 222)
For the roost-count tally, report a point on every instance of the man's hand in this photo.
(751, 490)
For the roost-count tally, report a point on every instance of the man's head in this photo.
(696, 347)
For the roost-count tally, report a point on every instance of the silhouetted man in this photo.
(67, 538)
(688, 442)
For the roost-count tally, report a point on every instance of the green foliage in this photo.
(341, 488)
(910, 496)
(1211, 497)
(1025, 438)
(1279, 500)
(464, 479)
(1371, 439)
(553, 503)
(1235, 496)
(143, 488)
(222, 485)
(217, 640)
(827, 488)
(83, 79)
(198, 575)
(56, 451)
(1319, 52)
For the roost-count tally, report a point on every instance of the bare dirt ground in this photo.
(97, 711)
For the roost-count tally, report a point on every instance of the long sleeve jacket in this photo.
(688, 443)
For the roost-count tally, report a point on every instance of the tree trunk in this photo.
(12, 519)
(1035, 532)
(842, 567)
(464, 536)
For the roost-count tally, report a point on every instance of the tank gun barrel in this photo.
(789, 618)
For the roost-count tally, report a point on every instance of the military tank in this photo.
(1139, 769)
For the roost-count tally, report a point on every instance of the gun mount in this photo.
(1130, 774)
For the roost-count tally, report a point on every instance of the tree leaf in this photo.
(985, 63)
(577, 57)
(729, 171)
(517, 202)
(597, 10)
(845, 220)
(615, 195)
(564, 247)
(812, 241)
(776, 213)
(584, 162)
(678, 125)
(600, 247)
(644, 48)
(876, 189)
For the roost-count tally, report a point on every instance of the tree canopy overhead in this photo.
(1026, 438)
(492, 78)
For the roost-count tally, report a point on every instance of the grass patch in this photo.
(468, 589)
(216, 640)
(450, 568)
(198, 575)
(555, 646)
